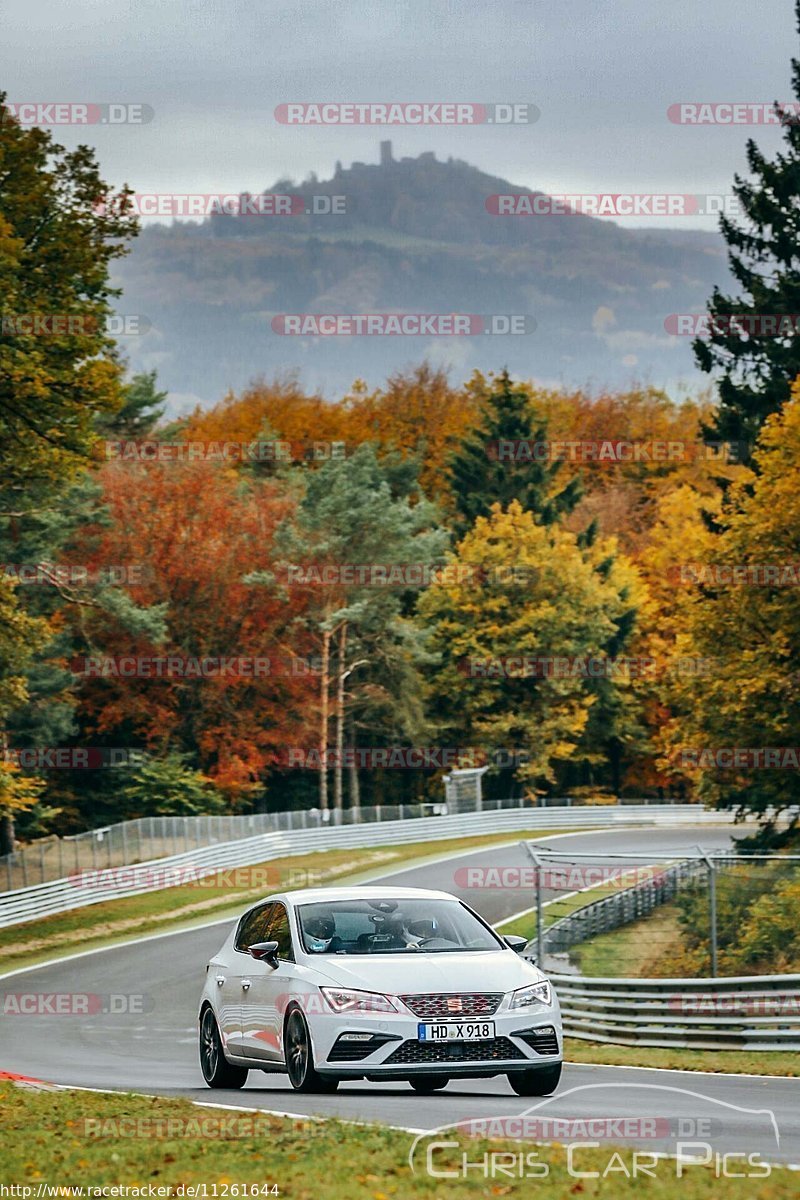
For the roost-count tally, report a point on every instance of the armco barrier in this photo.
(144, 838)
(757, 1012)
(27, 904)
(629, 904)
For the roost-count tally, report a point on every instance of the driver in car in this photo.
(320, 933)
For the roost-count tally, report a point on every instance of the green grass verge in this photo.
(749, 1062)
(65, 1138)
(640, 949)
(554, 910)
(216, 896)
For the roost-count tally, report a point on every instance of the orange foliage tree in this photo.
(196, 529)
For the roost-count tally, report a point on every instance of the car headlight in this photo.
(535, 993)
(342, 1000)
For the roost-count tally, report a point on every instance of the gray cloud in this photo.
(602, 75)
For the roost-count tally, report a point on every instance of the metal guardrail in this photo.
(750, 1012)
(145, 838)
(90, 886)
(624, 906)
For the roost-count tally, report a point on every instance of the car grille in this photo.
(441, 1052)
(443, 1004)
(543, 1041)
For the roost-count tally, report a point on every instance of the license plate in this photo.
(456, 1031)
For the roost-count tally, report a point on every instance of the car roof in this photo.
(314, 895)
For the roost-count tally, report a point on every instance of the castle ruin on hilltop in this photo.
(386, 159)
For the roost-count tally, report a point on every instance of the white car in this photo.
(376, 983)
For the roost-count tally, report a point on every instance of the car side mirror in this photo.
(266, 952)
(516, 943)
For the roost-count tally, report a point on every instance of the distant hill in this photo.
(415, 237)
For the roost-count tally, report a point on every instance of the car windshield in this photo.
(392, 926)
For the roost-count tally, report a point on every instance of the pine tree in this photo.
(143, 406)
(757, 368)
(362, 511)
(487, 470)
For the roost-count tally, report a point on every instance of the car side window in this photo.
(254, 927)
(280, 932)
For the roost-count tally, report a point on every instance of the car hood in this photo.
(399, 974)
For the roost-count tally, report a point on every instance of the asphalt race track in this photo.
(158, 1052)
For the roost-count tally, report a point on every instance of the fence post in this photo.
(539, 919)
(534, 857)
(712, 907)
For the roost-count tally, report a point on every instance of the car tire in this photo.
(425, 1084)
(535, 1083)
(303, 1075)
(217, 1071)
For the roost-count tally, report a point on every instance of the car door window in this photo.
(254, 927)
(280, 932)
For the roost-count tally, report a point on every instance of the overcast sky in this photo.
(602, 72)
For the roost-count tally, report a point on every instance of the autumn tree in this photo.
(60, 229)
(524, 596)
(741, 613)
(20, 637)
(752, 342)
(419, 413)
(193, 530)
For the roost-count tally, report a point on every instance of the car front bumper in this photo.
(523, 1041)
